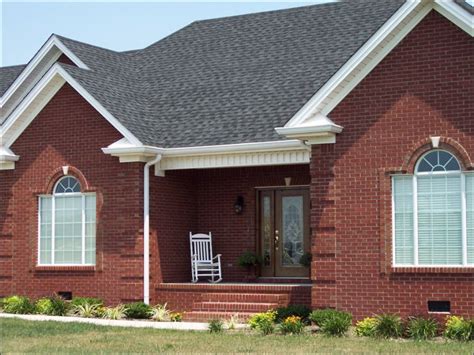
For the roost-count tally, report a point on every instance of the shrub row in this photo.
(331, 322)
(86, 307)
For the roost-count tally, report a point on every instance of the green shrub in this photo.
(336, 324)
(292, 325)
(117, 312)
(388, 326)
(419, 328)
(458, 328)
(53, 306)
(216, 326)
(160, 313)
(87, 310)
(1, 304)
(266, 327)
(320, 315)
(81, 301)
(18, 305)
(138, 310)
(257, 319)
(366, 327)
(299, 310)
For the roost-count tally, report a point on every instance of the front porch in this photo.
(274, 200)
(202, 302)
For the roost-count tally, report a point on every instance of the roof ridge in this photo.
(13, 66)
(290, 9)
(86, 43)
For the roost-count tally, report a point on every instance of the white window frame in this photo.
(415, 215)
(53, 224)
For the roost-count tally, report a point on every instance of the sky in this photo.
(118, 25)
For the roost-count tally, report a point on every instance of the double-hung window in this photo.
(67, 225)
(433, 214)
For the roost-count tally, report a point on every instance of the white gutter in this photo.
(146, 228)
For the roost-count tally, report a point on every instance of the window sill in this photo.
(432, 270)
(82, 268)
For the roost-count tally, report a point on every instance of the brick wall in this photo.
(423, 88)
(69, 131)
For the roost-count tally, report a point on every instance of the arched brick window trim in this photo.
(58, 173)
(447, 144)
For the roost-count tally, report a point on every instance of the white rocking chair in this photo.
(203, 263)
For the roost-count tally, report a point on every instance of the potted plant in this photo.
(249, 261)
(306, 259)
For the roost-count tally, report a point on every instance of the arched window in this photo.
(433, 212)
(67, 224)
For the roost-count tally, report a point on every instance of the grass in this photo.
(20, 336)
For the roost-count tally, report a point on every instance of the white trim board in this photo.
(45, 49)
(40, 95)
(373, 51)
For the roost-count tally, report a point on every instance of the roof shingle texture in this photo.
(228, 80)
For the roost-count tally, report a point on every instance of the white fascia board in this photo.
(7, 137)
(236, 148)
(456, 14)
(355, 60)
(52, 42)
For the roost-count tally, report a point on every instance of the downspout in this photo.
(146, 228)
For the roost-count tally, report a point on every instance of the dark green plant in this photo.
(18, 305)
(336, 324)
(306, 259)
(266, 326)
(138, 310)
(82, 301)
(299, 310)
(53, 306)
(458, 328)
(216, 326)
(366, 327)
(388, 326)
(292, 325)
(249, 259)
(419, 328)
(318, 316)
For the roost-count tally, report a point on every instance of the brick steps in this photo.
(201, 316)
(234, 306)
(202, 302)
(278, 298)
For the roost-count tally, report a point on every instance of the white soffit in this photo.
(218, 156)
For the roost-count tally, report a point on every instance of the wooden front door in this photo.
(284, 232)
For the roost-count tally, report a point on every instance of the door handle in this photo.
(277, 238)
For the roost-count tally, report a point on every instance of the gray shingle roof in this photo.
(228, 80)
(8, 76)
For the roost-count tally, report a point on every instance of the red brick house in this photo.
(342, 130)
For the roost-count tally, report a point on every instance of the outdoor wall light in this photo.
(239, 205)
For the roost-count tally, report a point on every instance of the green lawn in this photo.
(19, 336)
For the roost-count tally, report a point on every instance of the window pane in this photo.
(45, 226)
(68, 237)
(439, 220)
(470, 217)
(90, 226)
(403, 200)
